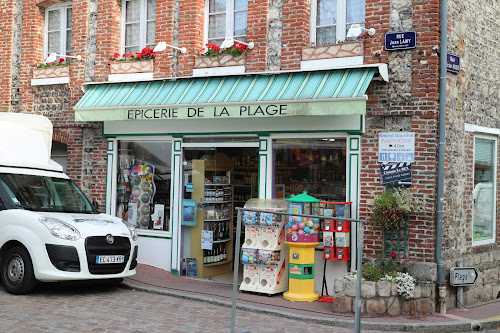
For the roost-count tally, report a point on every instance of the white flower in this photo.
(405, 284)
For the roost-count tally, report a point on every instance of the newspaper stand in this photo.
(302, 237)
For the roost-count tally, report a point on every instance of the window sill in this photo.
(130, 77)
(50, 81)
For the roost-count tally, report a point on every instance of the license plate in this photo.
(110, 259)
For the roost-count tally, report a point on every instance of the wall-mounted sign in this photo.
(396, 147)
(400, 40)
(395, 173)
(452, 63)
(189, 187)
(462, 276)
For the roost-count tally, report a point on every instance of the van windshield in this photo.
(47, 194)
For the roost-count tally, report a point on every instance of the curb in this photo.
(446, 326)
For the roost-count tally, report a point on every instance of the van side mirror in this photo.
(95, 206)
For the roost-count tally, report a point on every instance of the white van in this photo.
(49, 231)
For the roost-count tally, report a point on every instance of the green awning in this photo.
(325, 92)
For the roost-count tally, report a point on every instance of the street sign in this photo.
(395, 173)
(462, 276)
(452, 63)
(396, 147)
(400, 40)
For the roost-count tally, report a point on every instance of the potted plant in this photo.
(45, 70)
(141, 62)
(214, 56)
(390, 207)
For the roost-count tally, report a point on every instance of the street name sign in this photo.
(453, 63)
(403, 40)
(462, 276)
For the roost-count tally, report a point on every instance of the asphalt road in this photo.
(90, 308)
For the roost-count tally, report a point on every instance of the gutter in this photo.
(441, 155)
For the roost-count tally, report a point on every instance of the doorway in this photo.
(217, 177)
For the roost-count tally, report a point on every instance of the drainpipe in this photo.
(441, 153)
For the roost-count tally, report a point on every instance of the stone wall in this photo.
(381, 297)
(472, 98)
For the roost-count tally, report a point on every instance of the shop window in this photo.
(484, 190)
(331, 19)
(143, 183)
(139, 24)
(58, 29)
(317, 166)
(226, 19)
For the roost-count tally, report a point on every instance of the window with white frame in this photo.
(139, 25)
(58, 29)
(484, 192)
(331, 19)
(226, 19)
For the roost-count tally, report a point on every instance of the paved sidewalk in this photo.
(151, 279)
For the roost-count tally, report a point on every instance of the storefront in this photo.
(183, 153)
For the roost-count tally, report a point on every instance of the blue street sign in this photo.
(452, 63)
(400, 40)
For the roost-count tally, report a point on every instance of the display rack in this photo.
(264, 253)
(336, 232)
(214, 192)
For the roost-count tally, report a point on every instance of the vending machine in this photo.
(264, 254)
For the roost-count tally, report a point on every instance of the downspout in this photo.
(441, 155)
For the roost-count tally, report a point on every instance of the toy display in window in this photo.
(142, 192)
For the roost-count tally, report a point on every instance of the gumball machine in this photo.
(302, 236)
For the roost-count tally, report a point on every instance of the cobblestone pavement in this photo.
(90, 308)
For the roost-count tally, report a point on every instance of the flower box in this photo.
(340, 50)
(222, 60)
(129, 67)
(51, 72)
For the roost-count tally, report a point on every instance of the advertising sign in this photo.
(395, 173)
(396, 147)
(400, 40)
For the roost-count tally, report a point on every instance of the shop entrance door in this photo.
(217, 177)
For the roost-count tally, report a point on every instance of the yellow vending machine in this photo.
(302, 237)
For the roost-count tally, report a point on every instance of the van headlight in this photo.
(60, 229)
(131, 229)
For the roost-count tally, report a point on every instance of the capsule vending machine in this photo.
(264, 253)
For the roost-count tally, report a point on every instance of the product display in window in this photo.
(317, 166)
(143, 184)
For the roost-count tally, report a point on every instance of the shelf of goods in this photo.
(264, 254)
(212, 188)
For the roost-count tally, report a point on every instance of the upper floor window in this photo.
(484, 192)
(139, 24)
(58, 29)
(226, 19)
(331, 19)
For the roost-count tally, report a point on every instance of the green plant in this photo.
(146, 54)
(390, 207)
(390, 269)
(213, 50)
(61, 62)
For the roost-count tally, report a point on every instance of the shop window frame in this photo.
(142, 232)
(229, 31)
(341, 24)
(63, 28)
(143, 22)
(494, 139)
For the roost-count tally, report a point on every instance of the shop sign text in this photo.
(396, 147)
(232, 111)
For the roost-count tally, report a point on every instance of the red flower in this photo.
(406, 259)
(61, 60)
(394, 255)
(116, 55)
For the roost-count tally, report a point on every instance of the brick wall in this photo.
(191, 22)
(296, 18)
(108, 36)
(6, 40)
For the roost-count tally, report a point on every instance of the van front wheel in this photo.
(17, 273)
